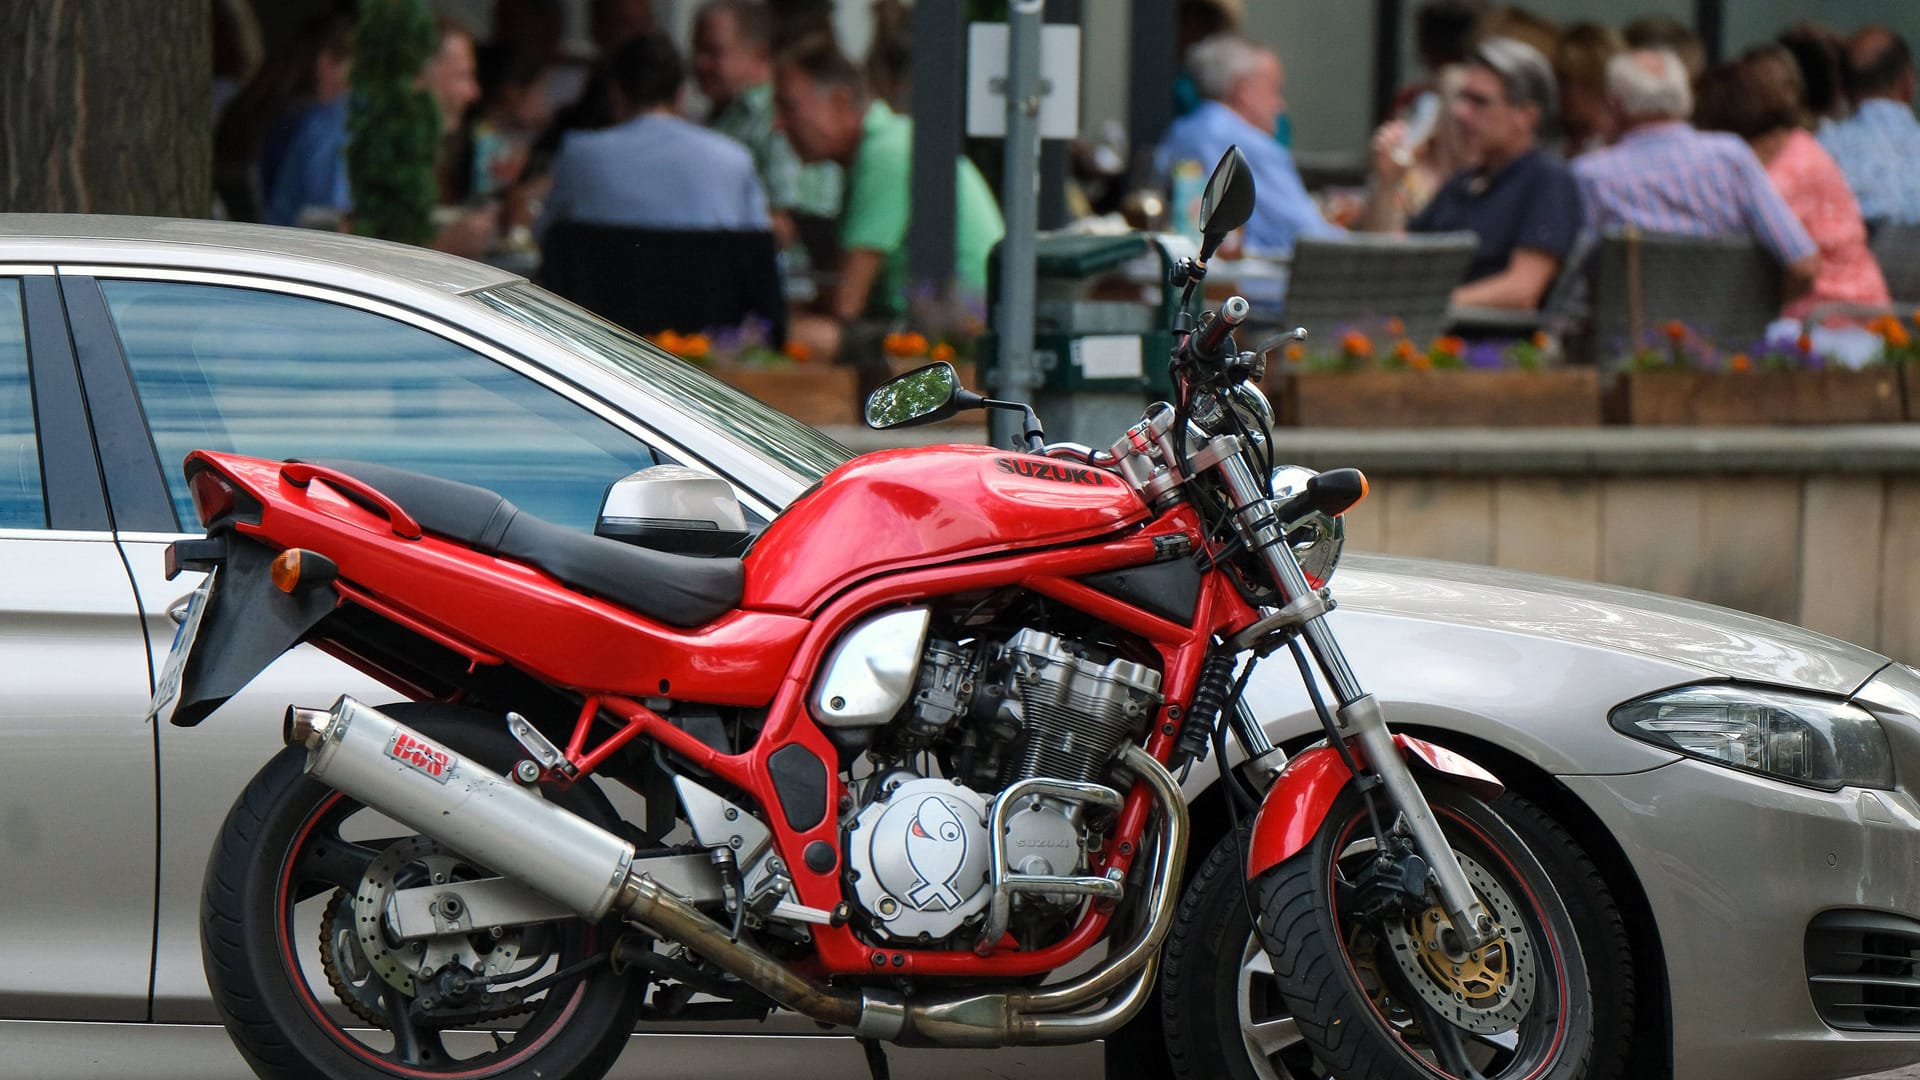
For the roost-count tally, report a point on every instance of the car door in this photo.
(77, 787)
(277, 371)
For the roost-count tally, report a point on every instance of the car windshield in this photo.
(786, 442)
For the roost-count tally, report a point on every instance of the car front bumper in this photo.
(1736, 867)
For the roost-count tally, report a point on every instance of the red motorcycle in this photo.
(914, 751)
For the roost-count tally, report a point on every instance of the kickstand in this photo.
(876, 1058)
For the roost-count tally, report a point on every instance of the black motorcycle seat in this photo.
(679, 590)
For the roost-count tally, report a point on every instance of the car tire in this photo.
(286, 1028)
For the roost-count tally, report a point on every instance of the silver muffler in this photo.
(500, 824)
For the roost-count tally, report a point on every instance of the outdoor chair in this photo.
(686, 280)
(1724, 289)
(1897, 249)
(1561, 310)
(1361, 281)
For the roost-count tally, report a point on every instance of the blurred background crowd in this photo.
(743, 134)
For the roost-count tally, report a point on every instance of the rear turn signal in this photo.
(295, 567)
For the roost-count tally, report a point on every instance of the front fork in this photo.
(1359, 717)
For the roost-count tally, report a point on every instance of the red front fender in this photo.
(1299, 800)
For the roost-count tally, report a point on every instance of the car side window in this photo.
(23, 495)
(277, 376)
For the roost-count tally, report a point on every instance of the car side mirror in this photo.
(674, 508)
(924, 395)
(1227, 202)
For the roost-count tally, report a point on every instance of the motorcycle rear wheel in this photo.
(1384, 999)
(300, 1005)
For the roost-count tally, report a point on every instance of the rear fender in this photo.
(247, 625)
(1299, 800)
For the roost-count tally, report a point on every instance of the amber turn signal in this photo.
(295, 567)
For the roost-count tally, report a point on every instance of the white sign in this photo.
(987, 81)
(1108, 356)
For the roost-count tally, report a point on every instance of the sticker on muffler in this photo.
(421, 756)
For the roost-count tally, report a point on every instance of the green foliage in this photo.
(394, 128)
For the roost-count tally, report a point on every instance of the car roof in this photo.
(109, 239)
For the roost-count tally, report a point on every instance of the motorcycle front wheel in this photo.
(1394, 997)
(308, 983)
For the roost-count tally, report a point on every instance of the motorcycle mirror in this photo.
(1227, 202)
(921, 396)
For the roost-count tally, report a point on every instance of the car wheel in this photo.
(308, 982)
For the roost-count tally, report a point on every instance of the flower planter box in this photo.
(1910, 385)
(1722, 399)
(817, 394)
(1559, 397)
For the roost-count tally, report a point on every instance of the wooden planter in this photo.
(1910, 386)
(1560, 397)
(1722, 399)
(817, 394)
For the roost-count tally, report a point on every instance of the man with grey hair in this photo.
(1242, 85)
(1664, 176)
(1517, 199)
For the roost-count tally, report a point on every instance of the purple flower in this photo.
(1485, 354)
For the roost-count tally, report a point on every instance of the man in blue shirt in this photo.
(1242, 84)
(1879, 145)
(653, 169)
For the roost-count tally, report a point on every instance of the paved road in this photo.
(1911, 1072)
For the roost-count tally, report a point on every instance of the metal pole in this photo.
(939, 110)
(1152, 69)
(1020, 202)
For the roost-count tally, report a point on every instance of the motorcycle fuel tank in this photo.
(901, 508)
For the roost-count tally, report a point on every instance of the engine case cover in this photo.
(923, 856)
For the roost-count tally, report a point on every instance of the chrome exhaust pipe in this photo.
(443, 794)
(429, 788)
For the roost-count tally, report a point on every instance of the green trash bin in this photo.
(1102, 313)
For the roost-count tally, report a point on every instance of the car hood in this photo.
(1726, 642)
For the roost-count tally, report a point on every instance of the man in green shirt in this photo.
(733, 66)
(827, 115)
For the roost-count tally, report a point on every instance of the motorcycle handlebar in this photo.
(1205, 343)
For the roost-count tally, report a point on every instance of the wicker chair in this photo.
(1724, 288)
(1362, 279)
(1897, 249)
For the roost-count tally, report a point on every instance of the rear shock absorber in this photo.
(1209, 697)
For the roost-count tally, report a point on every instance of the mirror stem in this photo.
(1031, 431)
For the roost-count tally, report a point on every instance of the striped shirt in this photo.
(1669, 178)
(1877, 147)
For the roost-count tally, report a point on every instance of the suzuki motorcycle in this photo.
(917, 748)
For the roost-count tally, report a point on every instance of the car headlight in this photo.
(1805, 739)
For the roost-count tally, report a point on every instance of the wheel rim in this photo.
(328, 856)
(1272, 1038)
(1523, 1026)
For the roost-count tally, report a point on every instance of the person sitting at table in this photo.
(652, 168)
(828, 115)
(1664, 176)
(1242, 84)
(1520, 202)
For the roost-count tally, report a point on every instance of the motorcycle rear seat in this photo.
(679, 590)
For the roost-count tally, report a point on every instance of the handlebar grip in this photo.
(1213, 336)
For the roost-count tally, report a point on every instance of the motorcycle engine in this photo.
(990, 713)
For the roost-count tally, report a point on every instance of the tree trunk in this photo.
(106, 107)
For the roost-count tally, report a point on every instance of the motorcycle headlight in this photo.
(1804, 739)
(1316, 539)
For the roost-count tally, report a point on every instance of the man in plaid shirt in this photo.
(1664, 176)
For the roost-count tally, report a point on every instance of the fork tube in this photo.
(1359, 714)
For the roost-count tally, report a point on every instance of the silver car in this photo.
(1721, 797)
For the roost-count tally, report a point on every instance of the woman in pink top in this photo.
(1759, 97)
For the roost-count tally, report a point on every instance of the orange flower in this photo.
(1804, 343)
(1404, 350)
(1449, 344)
(1541, 340)
(1916, 316)
(1355, 343)
(942, 351)
(668, 340)
(1676, 331)
(1396, 328)
(1420, 362)
(797, 352)
(1295, 352)
(1897, 336)
(1739, 362)
(695, 346)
